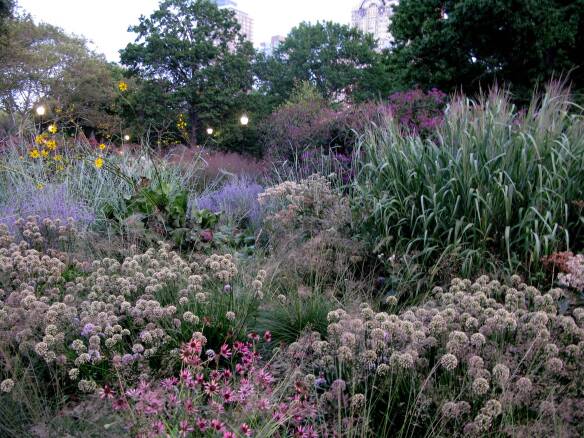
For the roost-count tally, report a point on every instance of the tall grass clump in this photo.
(499, 187)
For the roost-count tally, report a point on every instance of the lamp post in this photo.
(210, 131)
(244, 120)
(41, 110)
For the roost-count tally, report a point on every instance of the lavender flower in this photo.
(237, 200)
(53, 201)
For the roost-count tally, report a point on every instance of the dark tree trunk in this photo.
(194, 121)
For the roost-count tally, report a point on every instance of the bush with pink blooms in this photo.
(230, 392)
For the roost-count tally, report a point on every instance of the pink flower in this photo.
(254, 336)
(206, 235)
(119, 404)
(228, 395)
(306, 432)
(184, 428)
(245, 429)
(228, 434)
(225, 351)
(202, 424)
(106, 393)
(190, 407)
(264, 378)
(186, 375)
(158, 427)
(217, 425)
(268, 336)
(169, 383)
(211, 388)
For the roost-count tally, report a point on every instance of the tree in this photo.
(6, 12)
(334, 58)
(40, 63)
(470, 44)
(199, 50)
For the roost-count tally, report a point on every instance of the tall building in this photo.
(243, 18)
(267, 48)
(374, 16)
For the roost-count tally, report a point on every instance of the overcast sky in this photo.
(105, 22)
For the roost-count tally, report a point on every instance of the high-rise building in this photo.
(374, 16)
(243, 18)
(267, 48)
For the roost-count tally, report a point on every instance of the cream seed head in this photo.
(7, 385)
(449, 362)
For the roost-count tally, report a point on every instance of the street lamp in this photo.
(210, 131)
(41, 110)
(126, 137)
(244, 120)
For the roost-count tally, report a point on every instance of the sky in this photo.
(105, 22)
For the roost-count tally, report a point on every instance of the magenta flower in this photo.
(202, 424)
(225, 351)
(106, 393)
(184, 428)
(211, 388)
(268, 336)
(245, 429)
(216, 425)
(158, 427)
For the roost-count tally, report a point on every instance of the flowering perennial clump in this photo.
(117, 316)
(228, 392)
(500, 347)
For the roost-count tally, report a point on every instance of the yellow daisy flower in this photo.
(51, 145)
(58, 157)
(122, 86)
(34, 153)
(102, 147)
(99, 162)
(53, 129)
(40, 186)
(44, 153)
(40, 139)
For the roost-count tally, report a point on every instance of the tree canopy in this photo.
(200, 53)
(41, 63)
(334, 58)
(470, 44)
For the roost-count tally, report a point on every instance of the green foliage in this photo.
(151, 112)
(334, 58)
(287, 321)
(472, 43)
(200, 53)
(499, 187)
(40, 63)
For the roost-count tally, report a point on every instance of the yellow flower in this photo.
(102, 147)
(53, 129)
(122, 86)
(34, 153)
(51, 145)
(99, 162)
(60, 168)
(44, 153)
(40, 186)
(58, 157)
(40, 139)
